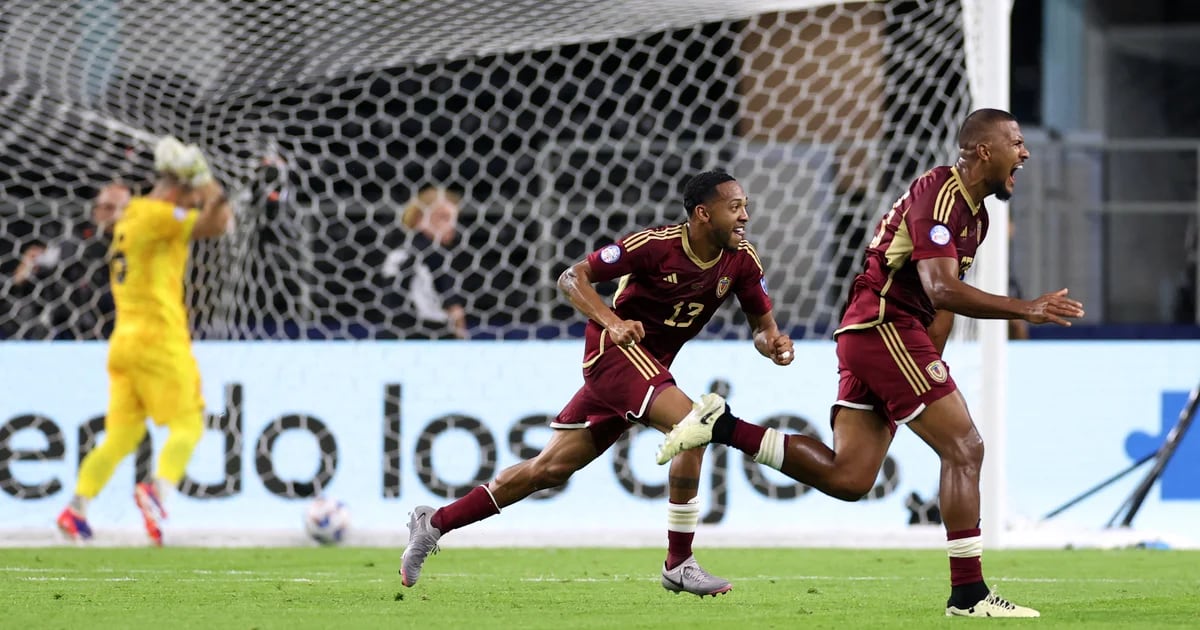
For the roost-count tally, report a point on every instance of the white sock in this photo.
(770, 450)
(164, 489)
(683, 518)
(970, 547)
(80, 504)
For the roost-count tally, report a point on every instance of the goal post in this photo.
(988, 24)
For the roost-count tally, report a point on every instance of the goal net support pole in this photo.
(987, 28)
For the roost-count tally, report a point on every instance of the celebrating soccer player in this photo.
(150, 365)
(889, 349)
(672, 279)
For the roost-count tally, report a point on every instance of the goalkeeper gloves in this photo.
(199, 174)
(183, 161)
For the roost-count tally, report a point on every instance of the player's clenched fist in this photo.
(626, 332)
(782, 351)
(1054, 308)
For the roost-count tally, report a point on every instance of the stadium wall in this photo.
(385, 426)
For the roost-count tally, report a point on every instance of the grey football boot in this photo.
(690, 577)
(422, 541)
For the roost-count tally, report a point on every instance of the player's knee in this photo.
(966, 452)
(555, 473)
(851, 487)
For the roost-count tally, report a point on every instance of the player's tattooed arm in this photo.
(576, 284)
(769, 341)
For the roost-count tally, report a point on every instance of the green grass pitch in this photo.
(293, 588)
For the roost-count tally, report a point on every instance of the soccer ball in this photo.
(326, 520)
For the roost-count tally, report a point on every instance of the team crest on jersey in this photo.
(611, 254)
(179, 213)
(723, 286)
(937, 371)
(939, 234)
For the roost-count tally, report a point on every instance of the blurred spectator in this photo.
(85, 266)
(419, 277)
(29, 293)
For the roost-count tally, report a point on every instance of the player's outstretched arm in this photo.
(769, 341)
(939, 277)
(576, 284)
(216, 217)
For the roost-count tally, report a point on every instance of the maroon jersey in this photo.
(934, 219)
(670, 291)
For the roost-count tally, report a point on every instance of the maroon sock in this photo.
(679, 547)
(474, 507)
(746, 437)
(965, 569)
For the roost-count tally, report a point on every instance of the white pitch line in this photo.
(236, 575)
(199, 580)
(74, 579)
(158, 571)
(851, 578)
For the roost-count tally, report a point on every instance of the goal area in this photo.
(563, 125)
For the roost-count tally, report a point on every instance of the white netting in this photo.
(564, 124)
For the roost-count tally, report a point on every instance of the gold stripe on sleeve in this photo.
(745, 245)
(641, 238)
(945, 201)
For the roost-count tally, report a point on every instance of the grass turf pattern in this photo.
(353, 587)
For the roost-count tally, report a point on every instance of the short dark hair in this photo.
(702, 187)
(979, 125)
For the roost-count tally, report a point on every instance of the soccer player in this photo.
(672, 279)
(889, 349)
(150, 365)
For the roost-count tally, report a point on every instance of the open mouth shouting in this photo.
(1012, 176)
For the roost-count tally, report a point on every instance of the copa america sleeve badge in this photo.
(939, 234)
(610, 254)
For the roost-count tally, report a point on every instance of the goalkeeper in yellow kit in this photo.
(150, 365)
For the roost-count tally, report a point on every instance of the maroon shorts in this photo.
(892, 369)
(619, 384)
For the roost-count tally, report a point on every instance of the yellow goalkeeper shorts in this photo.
(162, 383)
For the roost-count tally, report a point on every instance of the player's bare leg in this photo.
(847, 471)
(946, 426)
(683, 509)
(567, 451)
(681, 572)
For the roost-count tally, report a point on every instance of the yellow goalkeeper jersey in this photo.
(150, 249)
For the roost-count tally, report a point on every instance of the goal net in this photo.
(563, 125)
